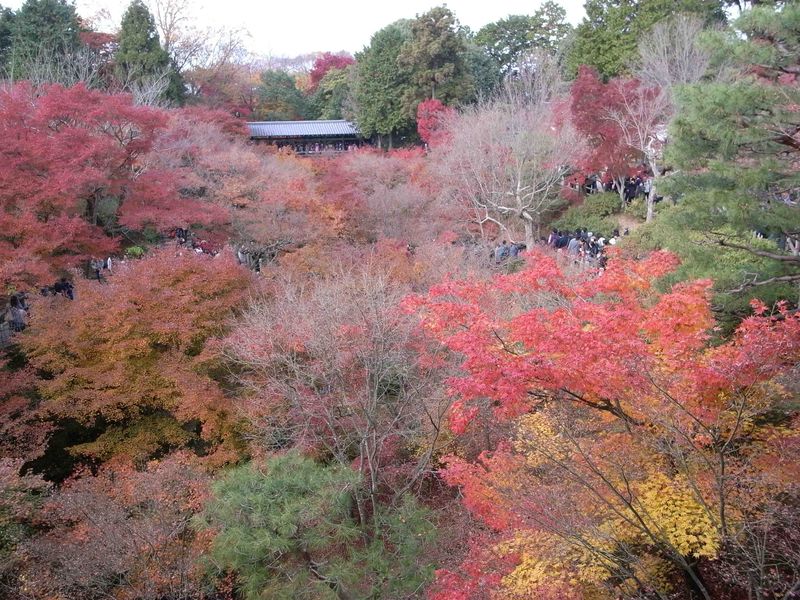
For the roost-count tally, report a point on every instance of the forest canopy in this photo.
(537, 337)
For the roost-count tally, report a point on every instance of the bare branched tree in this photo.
(44, 65)
(507, 157)
(642, 116)
(192, 47)
(172, 19)
(224, 64)
(212, 60)
(331, 367)
(537, 82)
(672, 54)
(147, 90)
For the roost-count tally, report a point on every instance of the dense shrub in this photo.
(596, 214)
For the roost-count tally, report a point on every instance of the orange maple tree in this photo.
(125, 357)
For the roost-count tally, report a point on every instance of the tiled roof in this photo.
(301, 129)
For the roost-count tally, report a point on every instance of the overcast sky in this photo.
(294, 27)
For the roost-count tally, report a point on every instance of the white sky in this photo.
(294, 27)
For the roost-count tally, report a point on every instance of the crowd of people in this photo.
(581, 246)
(319, 148)
(15, 310)
(638, 185)
(62, 287)
(505, 251)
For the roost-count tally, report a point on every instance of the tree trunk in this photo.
(530, 240)
(651, 197)
(651, 203)
(620, 181)
(91, 207)
(695, 585)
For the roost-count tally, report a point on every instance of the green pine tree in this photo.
(434, 58)
(735, 145)
(287, 529)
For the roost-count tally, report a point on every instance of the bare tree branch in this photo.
(507, 157)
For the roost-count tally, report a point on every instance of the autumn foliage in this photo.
(136, 522)
(326, 62)
(591, 102)
(320, 377)
(126, 355)
(73, 169)
(431, 118)
(68, 155)
(626, 452)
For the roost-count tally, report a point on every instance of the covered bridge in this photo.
(307, 137)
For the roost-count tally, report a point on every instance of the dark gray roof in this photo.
(301, 129)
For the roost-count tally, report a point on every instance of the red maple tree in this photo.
(609, 154)
(67, 158)
(326, 62)
(432, 115)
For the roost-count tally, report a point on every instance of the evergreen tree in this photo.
(286, 528)
(331, 96)
(434, 59)
(176, 87)
(550, 27)
(280, 100)
(40, 26)
(608, 36)
(507, 40)
(483, 70)
(735, 143)
(6, 24)
(380, 85)
(140, 56)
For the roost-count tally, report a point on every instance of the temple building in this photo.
(307, 137)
